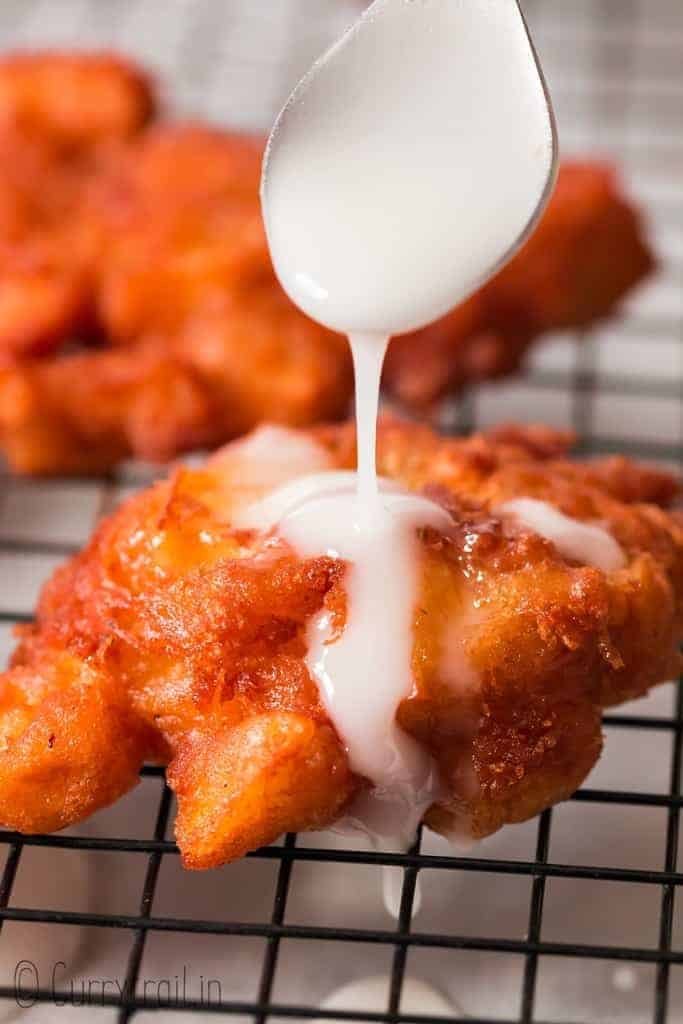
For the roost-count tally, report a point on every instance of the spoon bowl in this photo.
(410, 162)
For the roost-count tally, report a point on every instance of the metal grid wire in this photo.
(616, 71)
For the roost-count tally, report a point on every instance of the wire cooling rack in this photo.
(570, 919)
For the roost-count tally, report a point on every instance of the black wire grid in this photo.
(403, 938)
(583, 384)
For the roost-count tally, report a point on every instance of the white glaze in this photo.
(624, 978)
(371, 994)
(392, 892)
(455, 667)
(368, 352)
(267, 458)
(587, 543)
(364, 674)
(408, 163)
(271, 455)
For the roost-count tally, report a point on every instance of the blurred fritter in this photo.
(584, 257)
(176, 637)
(152, 241)
(228, 370)
(45, 289)
(61, 116)
(210, 345)
(182, 219)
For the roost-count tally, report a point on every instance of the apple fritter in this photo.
(178, 637)
(74, 99)
(139, 311)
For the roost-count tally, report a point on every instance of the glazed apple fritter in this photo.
(175, 637)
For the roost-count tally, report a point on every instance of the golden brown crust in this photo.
(287, 770)
(68, 743)
(196, 634)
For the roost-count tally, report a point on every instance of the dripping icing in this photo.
(587, 543)
(383, 206)
(363, 675)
